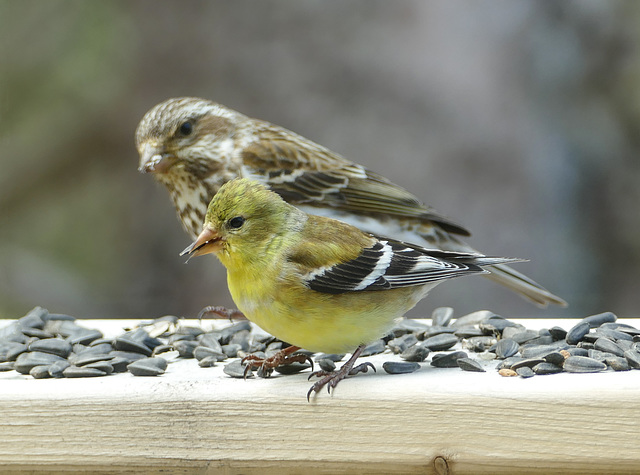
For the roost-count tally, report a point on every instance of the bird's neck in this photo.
(190, 197)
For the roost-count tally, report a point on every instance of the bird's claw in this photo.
(330, 379)
(267, 365)
(221, 312)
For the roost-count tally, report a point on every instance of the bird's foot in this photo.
(267, 365)
(330, 379)
(221, 312)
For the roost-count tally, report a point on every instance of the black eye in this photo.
(235, 223)
(186, 128)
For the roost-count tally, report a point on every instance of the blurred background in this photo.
(519, 120)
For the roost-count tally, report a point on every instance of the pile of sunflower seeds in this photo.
(47, 345)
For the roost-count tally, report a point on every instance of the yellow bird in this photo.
(315, 282)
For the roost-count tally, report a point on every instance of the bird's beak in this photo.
(154, 159)
(209, 241)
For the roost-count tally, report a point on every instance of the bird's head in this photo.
(186, 134)
(244, 218)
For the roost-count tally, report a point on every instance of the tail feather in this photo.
(523, 285)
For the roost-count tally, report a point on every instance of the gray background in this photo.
(518, 119)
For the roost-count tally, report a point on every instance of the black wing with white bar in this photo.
(391, 264)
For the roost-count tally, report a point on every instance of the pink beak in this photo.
(209, 241)
(154, 160)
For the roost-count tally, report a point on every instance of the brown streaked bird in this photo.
(193, 146)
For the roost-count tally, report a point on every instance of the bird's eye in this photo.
(186, 128)
(235, 223)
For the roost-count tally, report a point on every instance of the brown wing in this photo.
(303, 172)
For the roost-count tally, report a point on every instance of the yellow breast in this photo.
(332, 323)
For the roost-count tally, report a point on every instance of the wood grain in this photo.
(434, 421)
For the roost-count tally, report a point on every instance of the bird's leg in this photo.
(282, 357)
(332, 378)
(221, 312)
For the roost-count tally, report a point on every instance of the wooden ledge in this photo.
(195, 420)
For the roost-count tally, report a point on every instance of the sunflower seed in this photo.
(468, 332)
(441, 316)
(99, 349)
(582, 364)
(82, 372)
(406, 326)
(37, 333)
(398, 367)
(326, 364)
(292, 368)
(193, 332)
(123, 343)
(15, 350)
(510, 331)
(467, 364)
(608, 346)
(595, 321)
(210, 340)
(558, 333)
(437, 330)
(587, 345)
(578, 351)
(541, 340)
(546, 368)
(231, 350)
(227, 333)
(539, 351)
(185, 348)
(241, 338)
(40, 372)
(56, 369)
(119, 364)
(473, 318)
(528, 362)
(84, 336)
(31, 320)
(614, 335)
(633, 358)
(506, 347)
(440, 342)
(478, 344)
(330, 356)
(597, 355)
(235, 369)
(202, 352)
(12, 333)
(495, 324)
(415, 353)
(617, 363)
(398, 345)
(57, 317)
(525, 372)
(447, 360)
(577, 333)
(507, 362)
(207, 362)
(104, 366)
(374, 348)
(148, 367)
(555, 358)
(158, 350)
(6, 366)
(83, 360)
(26, 361)
(127, 355)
